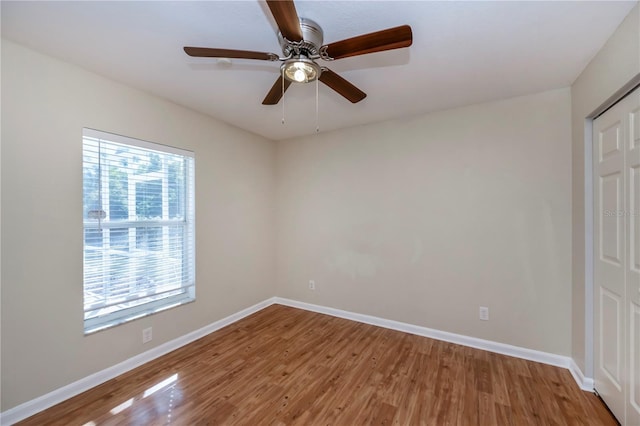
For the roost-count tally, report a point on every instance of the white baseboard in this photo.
(50, 399)
(487, 345)
(585, 383)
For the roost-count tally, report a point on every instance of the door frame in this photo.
(588, 223)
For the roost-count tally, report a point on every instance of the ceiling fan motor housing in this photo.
(312, 37)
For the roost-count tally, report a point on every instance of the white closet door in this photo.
(616, 166)
(609, 262)
(633, 249)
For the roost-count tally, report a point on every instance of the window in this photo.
(139, 241)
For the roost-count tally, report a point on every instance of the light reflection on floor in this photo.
(138, 409)
(155, 388)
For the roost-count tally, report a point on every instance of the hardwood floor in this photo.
(285, 366)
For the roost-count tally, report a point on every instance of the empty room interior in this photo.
(320, 212)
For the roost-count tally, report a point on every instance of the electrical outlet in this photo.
(312, 285)
(147, 335)
(484, 313)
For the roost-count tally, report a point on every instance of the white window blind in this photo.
(139, 241)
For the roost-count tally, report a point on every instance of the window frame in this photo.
(187, 286)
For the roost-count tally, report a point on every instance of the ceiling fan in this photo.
(301, 42)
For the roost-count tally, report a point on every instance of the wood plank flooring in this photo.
(285, 366)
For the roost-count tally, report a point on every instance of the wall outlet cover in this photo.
(147, 335)
(484, 313)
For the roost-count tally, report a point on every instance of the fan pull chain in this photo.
(317, 125)
(282, 69)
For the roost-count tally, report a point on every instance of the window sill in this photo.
(137, 315)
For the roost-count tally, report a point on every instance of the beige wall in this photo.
(616, 64)
(45, 105)
(424, 219)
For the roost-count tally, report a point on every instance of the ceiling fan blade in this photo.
(284, 12)
(274, 95)
(206, 52)
(391, 38)
(341, 86)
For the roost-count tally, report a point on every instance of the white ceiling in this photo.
(463, 53)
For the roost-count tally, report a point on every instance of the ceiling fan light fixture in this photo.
(301, 70)
(302, 43)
